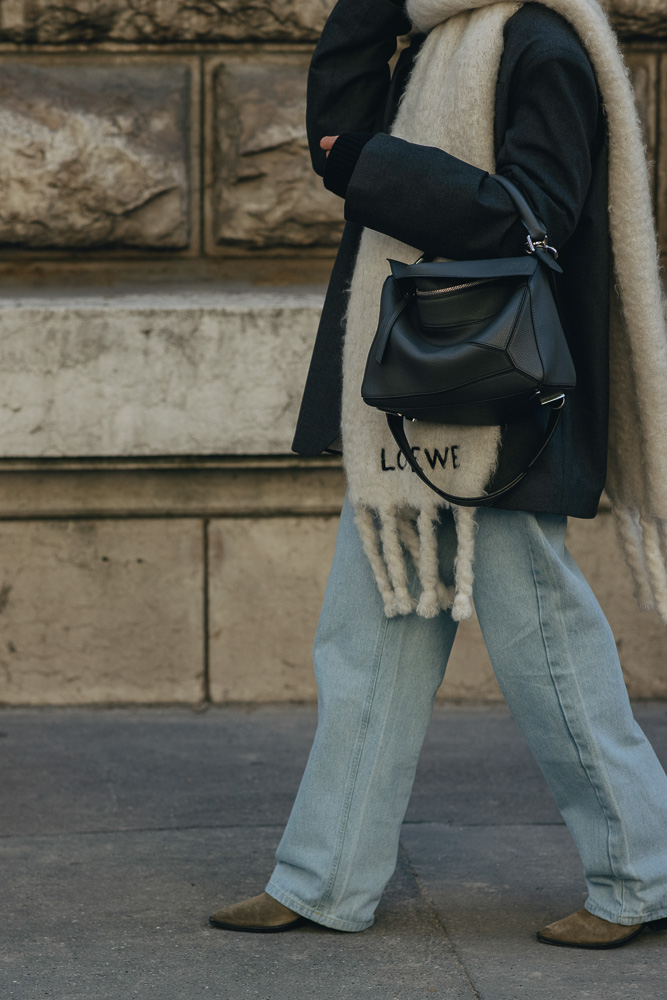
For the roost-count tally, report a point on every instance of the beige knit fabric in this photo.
(449, 102)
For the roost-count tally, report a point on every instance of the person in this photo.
(483, 88)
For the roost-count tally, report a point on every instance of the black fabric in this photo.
(349, 76)
(550, 138)
(342, 160)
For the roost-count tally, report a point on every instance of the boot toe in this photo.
(584, 930)
(261, 914)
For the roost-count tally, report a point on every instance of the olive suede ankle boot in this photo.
(260, 915)
(584, 930)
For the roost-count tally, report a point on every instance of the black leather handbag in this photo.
(471, 342)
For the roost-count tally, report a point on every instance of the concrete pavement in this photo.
(121, 830)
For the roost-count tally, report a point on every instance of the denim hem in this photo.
(335, 923)
(598, 911)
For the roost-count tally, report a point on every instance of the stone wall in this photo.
(158, 126)
(161, 22)
(163, 251)
(646, 18)
(187, 580)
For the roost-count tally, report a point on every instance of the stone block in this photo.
(662, 165)
(643, 67)
(94, 156)
(267, 580)
(192, 486)
(171, 21)
(189, 372)
(161, 21)
(264, 191)
(639, 17)
(469, 675)
(101, 611)
(640, 637)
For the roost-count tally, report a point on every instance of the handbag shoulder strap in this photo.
(537, 234)
(397, 428)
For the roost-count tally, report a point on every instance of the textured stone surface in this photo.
(165, 21)
(662, 164)
(94, 155)
(125, 915)
(646, 17)
(265, 193)
(111, 611)
(493, 887)
(469, 675)
(172, 767)
(267, 583)
(640, 637)
(120, 831)
(101, 611)
(263, 621)
(267, 580)
(190, 487)
(160, 20)
(643, 68)
(175, 373)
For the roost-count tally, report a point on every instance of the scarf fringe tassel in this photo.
(644, 543)
(390, 536)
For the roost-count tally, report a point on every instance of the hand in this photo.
(327, 142)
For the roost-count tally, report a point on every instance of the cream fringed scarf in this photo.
(449, 102)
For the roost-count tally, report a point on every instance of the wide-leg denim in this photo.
(555, 659)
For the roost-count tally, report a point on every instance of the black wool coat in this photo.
(551, 140)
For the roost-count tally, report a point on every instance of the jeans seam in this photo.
(360, 808)
(354, 772)
(575, 742)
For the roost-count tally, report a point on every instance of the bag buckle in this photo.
(533, 247)
(555, 397)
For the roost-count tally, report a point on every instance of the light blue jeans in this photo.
(556, 662)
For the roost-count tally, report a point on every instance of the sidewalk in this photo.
(123, 829)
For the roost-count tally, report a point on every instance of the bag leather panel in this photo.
(499, 399)
(390, 296)
(403, 371)
(497, 334)
(522, 348)
(551, 342)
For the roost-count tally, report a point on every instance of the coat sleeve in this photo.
(349, 73)
(431, 200)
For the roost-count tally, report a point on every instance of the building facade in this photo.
(163, 252)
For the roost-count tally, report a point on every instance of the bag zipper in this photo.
(455, 288)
